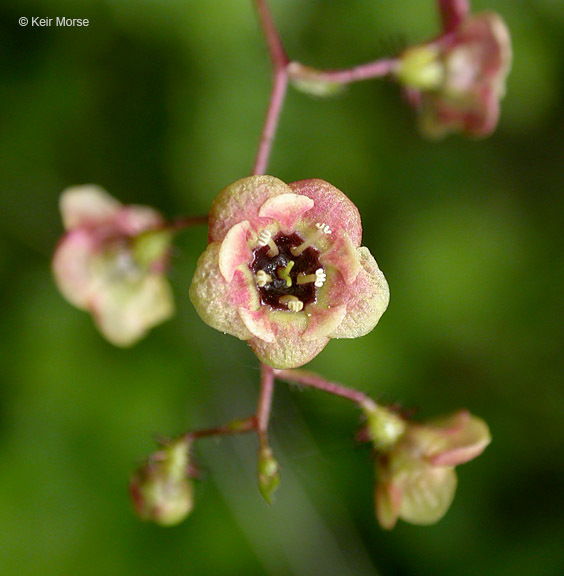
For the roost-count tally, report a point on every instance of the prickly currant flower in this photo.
(456, 82)
(111, 262)
(284, 269)
(161, 490)
(416, 480)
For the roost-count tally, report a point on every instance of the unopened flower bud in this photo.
(268, 474)
(161, 490)
(384, 427)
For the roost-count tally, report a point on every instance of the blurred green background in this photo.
(162, 103)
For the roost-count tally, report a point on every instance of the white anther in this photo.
(264, 238)
(295, 305)
(323, 227)
(263, 278)
(320, 278)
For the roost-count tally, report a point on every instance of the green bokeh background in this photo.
(162, 103)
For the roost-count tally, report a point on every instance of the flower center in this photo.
(287, 271)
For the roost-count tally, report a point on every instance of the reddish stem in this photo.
(277, 97)
(280, 83)
(453, 12)
(314, 381)
(376, 69)
(264, 403)
(236, 427)
(187, 222)
(273, 40)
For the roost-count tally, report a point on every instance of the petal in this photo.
(124, 313)
(234, 250)
(257, 323)
(427, 493)
(242, 201)
(343, 256)
(289, 349)
(72, 267)
(286, 209)
(217, 301)
(86, 206)
(323, 321)
(331, 207)
(366, 299)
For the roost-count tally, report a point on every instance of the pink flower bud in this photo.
(284, 269)
(457, 81)
(416, 480)
(111, 262)
(161, 489)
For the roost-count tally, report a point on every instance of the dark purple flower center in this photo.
(285, 279)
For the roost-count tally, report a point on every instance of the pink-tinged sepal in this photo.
(322, 322)
(331, 207)
(258, 324)
(242, 201)
(87, 206)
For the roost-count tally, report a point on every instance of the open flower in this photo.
(111, 262)
(456, 81)
(416, 479)
(284, 269)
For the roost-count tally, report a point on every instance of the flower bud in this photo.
(384, 428)
(161, 489)
(268, 473)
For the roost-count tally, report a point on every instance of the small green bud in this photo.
(268, 474)
(384, 427)
(151, 246)
(421, 68)
(161, 489)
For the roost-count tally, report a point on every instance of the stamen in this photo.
(318, 278)
(265, 238)
(263, 278)
(293, 303)
(284, 273)
(321, 229)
